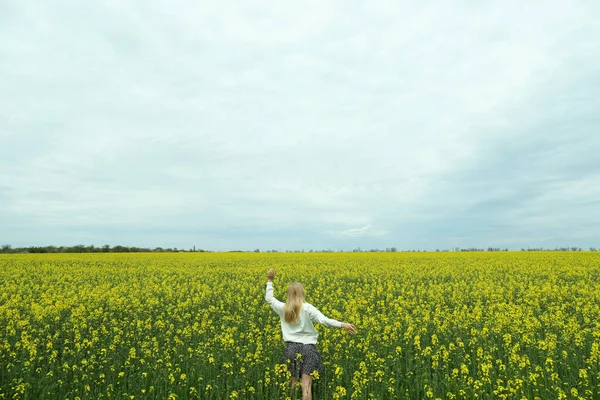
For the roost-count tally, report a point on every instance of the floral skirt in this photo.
(302, 358)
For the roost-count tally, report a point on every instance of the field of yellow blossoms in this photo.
(196, 325)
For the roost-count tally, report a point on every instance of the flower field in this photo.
(195, 325)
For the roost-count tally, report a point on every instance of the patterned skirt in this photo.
(302, 358)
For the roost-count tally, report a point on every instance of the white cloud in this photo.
(364, 231)
(299, 118)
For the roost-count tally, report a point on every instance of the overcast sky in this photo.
(300, 124)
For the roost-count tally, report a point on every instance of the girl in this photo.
(299, 333)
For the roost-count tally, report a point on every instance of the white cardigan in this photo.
(302, 331)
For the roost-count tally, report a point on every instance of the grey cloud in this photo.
(291, 124)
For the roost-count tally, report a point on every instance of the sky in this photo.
(296, 125)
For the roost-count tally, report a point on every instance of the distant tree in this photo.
(79, 248)
(257, 251)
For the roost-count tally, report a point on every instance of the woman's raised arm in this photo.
(275, 304)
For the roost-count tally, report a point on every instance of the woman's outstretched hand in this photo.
(349, 328)
(271, 275)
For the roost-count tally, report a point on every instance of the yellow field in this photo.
(430, 325)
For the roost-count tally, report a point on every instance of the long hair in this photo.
(294, 302)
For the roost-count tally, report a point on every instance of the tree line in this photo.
(80, 248)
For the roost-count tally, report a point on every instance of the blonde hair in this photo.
(295, 299)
